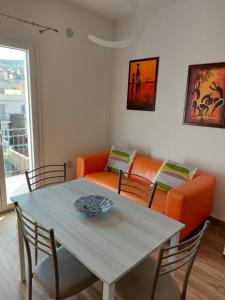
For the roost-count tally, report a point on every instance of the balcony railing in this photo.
(15, 151)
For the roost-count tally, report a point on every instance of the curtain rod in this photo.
(43, 27)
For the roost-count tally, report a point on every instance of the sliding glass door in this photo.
(16, 150)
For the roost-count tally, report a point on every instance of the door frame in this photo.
(37, 150)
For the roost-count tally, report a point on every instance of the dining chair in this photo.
(137, 185)
(59, 274)
(154, 279)
(45, 175)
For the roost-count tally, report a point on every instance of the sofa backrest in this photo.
(145, 166)
(148, 167)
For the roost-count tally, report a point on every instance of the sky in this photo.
(12, 54)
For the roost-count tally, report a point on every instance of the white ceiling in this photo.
(116, 9)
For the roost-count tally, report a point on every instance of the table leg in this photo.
(174, 241)
(21, 253)
(108, 291)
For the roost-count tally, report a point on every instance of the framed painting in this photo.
(205, 95)
(142, 84)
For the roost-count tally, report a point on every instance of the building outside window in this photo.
(2, 112)
(23, 109)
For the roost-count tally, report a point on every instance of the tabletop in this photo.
(109, 245)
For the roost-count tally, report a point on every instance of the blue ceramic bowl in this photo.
(93, 205)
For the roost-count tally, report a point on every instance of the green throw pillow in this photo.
(120, 159)
(172, 175)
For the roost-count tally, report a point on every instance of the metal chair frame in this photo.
(37, 178)
(184, 255)
(43, 240)
(143, 188)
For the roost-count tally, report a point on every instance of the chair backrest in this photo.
(45, 175)
(41, 238)
(138, 186)
(181, 255)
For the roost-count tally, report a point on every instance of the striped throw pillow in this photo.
(172, 175)
(120, 159)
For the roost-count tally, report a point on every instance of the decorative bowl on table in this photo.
(93, 205)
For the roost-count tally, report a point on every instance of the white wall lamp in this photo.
(139, 30)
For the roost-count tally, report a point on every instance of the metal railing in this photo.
(15, 150)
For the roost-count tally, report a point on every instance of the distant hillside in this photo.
(10, 63)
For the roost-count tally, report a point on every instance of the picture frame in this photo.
(205, 104)
(142, 84)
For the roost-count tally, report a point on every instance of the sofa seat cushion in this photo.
(110, 181)
(106, 179)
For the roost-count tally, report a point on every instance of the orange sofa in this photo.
(189, 203)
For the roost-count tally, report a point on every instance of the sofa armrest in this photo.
(191, 203)
(95, 162)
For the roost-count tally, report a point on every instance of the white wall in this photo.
(73, 76)
(186, 33)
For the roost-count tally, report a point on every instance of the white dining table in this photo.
(109, 245)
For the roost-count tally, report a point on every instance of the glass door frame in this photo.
(32, 116)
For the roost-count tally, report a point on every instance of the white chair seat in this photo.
(137, 284)
(73, 276)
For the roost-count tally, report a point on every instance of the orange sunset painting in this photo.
(142, 84)
(205, 95)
